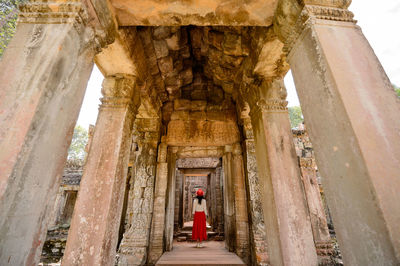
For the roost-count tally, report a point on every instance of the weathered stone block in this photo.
(161, 32)
(160, 48)
(180, 115)
(166, 65)
(182, 104)
(197, 115)
(198, 105)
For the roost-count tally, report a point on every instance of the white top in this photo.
(200, 207)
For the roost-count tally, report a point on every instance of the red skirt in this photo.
(199, 231)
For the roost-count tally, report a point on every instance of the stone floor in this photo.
(213, 253)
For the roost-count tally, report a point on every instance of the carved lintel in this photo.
(309, 15)
(52, 12)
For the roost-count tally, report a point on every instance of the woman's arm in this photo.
(205, 207)
(194, 206)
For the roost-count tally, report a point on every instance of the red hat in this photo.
(200, 192)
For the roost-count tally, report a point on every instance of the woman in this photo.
(199, 231)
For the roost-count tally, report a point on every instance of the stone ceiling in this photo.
(198, 64)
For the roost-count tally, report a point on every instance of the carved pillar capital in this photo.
(329, 3)
(310, 14)
(237, 149)
(119, 92)
(292, 18)
(52, 12)
(228, 149)
(271, 98)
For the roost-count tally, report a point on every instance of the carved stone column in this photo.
(93, 235)
(319, 225)
(235, 202)
(241, 214)
(170, 199)
(219, 197)
(160, 193)
(257, 226)
(353, 118)
(178, 214)
(229, 200)
(43, 76)
(133, 247)
(289, 235)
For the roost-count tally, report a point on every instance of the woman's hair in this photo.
(199, 198)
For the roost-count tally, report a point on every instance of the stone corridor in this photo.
(193, 96)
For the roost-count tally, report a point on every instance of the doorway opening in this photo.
(193, 174)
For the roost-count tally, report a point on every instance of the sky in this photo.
(380, 24)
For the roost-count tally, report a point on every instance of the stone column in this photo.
(178, 214)
(319, 225)
(229, 200)
(220, 200)
(93, 235)
(257, 225)
(43, 76)
(353, 118)
(213, 202)
(241, 214)
(170, 199)
(133, 247)
(160, 192)
(289, 235)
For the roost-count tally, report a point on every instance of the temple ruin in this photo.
(193, 97)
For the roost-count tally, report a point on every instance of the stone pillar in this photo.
(93, 235)
(220, 199)
(257, 226)
(353, 118)
(43, 76)
(160, 192)
(170, 199)
(319, 225)
(213, 201)
(241, 214)
(133, 247)
(178, 220)
(229, 200)
(289, 235)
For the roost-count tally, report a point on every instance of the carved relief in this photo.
(308, 17)
(51, 12)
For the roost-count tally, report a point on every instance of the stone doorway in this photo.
(192, 174)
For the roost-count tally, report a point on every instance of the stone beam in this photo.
(202, 133)
(200, 152)
(115, 59)
(199, 13)
(271, 62)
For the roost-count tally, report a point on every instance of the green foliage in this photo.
(79, 140)
(295, 116)
(8, 21)
(397, 89)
